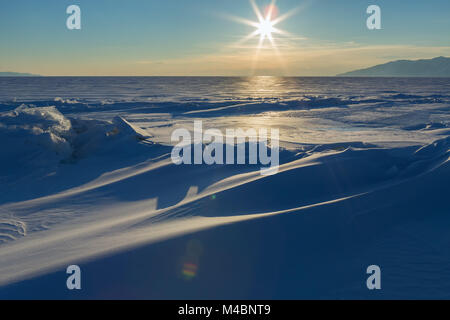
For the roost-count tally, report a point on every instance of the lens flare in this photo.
(271, 11)
(190, 265)
(189, 270)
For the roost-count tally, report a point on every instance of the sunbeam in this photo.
(267, 19)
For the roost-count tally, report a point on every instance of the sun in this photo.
(266, 23)
(266, 28)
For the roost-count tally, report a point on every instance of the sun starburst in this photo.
(265, 27)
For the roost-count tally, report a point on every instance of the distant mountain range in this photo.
(437, 67)
(17, 74)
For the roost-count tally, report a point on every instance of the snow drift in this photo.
(363, 180)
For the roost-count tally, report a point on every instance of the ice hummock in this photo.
(43, 133)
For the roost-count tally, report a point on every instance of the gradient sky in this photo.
(197, 37)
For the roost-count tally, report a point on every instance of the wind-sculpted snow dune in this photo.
(104, 195)
(88, 179)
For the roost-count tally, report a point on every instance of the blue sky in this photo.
(197, 37)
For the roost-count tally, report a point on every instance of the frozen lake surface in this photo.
(86, 178)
